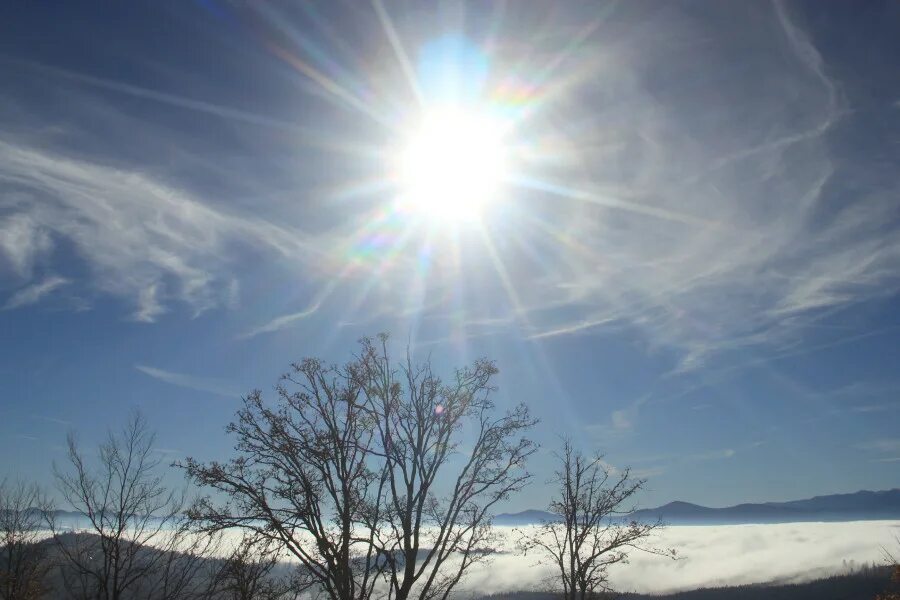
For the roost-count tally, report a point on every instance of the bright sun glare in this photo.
(453, 165)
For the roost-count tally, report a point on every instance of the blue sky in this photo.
(694, 268)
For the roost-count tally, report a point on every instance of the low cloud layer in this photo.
(719, 555)
(709, 556)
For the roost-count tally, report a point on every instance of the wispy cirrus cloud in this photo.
(881, 445)
(193, 382)
(22, 239)
(711, 455)
(282, 322)
(56, 420)
(656, 464)
(775, 253)
(621, 421)
(704, 210)
(699, 207)
(871, 408)
(24, 436)
(888, 448)
(33, 293)
(142, 240)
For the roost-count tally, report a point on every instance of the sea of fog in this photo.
(717, 555)
(709, 555)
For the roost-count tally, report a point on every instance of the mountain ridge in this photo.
(854, 506)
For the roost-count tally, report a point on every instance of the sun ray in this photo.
(610, 202)
(326, 82)
(219, 110)
(544, 74)
(387, 24)
(519, 310)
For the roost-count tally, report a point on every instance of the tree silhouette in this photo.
(372, 471)
(138, 544)
(248, 574)
(894, 562)
(589, 534)
(24, 562)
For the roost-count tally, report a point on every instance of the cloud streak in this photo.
(712, 455)
(282, 322)
(881, 445)
(33, 293)
(64, 422)
(146, 242)
(201, 384)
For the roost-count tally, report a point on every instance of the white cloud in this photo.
(646, 473)
(701, 208)
(869, 408)
(34, 292)
(22, 241)
(717, 555)
(202, 384)
(282, 322)
(696, 207)
(144, 241)
(579, 327)
(56, 420)
(621, 421)
(712, 455)
(657, 463)
(709, 556)
(881, 445)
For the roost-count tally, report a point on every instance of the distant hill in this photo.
(526, 517)
(860, 585)
(66, 520)
(863, 505)
(859, 506)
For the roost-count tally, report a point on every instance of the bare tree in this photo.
(429, 536)
(892, 560)
(360, 473)
(249, 573)
(183, 570)
(590, 532)
(24, 560)
(137, 544)
(302, 479)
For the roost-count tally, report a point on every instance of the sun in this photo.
(453, 165)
